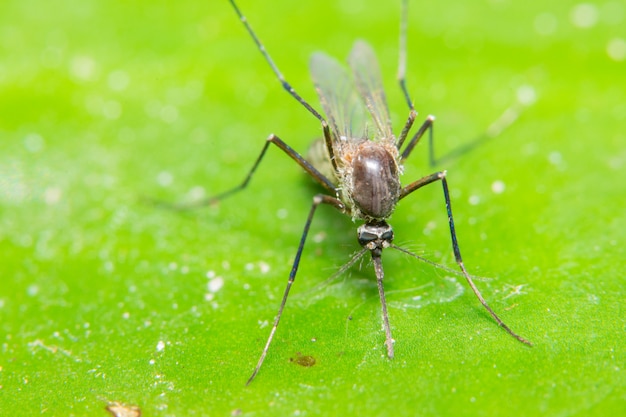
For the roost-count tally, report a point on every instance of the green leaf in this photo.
(106, 299)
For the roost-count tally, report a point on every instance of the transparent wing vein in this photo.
(366, 71)
(337, 93)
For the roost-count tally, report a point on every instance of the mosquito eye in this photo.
(366, 237)
(388, 235)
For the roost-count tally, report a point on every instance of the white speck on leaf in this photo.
(282, 213)
(52, 195)
(118, 80)
(498, 187)
(264, 267)
(160, 346)
(32, 290)
(584, 15)
(164, 179)
(216, 284)
(555, 158)
(616, 49)
(526, 95)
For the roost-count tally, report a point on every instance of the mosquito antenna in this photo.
(271, 63)
(432, 263)
(342, 270)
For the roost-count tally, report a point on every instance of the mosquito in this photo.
(358, 162)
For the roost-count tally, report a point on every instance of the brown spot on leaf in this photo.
(122, 410)
(303, 360)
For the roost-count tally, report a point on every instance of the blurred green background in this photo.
(105, 299)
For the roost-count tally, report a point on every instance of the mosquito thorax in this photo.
(375, 236)
(375, 180)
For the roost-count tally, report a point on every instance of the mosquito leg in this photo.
(380, 274)
(402, 74)
(314, 173)
(274, 67)
(427, 125)
(437, 176)
(317, 200)
(402, 54)
(459, 261)
(328, 140)
(441, 176)
(406, 128)
(402, 81)
(292, 92)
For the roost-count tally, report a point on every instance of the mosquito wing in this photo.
(366, 71)
(343, 107)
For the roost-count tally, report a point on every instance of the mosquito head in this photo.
(375, 236)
